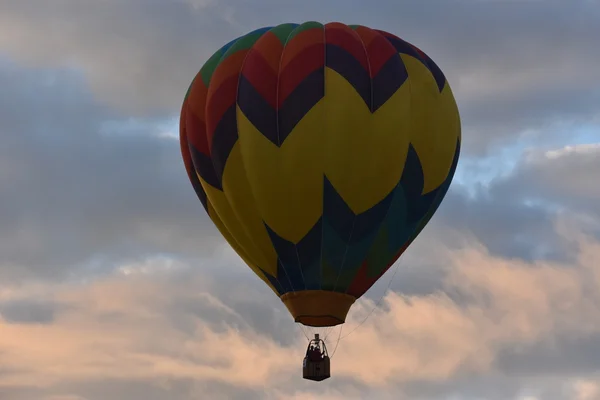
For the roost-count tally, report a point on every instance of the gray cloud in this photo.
(141, 55)
(565, 177)
(513, 215)
(73, 195)
(514, 65)
(90, 184)
(158, 334)
(82, 191)
(28, 311)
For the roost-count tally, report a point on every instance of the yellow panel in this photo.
(287, 182)
(236, 247)
(362, 154)
(241, 199)
(230, 221)
(365, 152)
(435, 121)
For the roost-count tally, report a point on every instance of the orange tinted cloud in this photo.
(128, 328)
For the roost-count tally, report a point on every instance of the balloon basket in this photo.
(316, 365)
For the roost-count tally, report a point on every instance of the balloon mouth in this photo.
(318, 308)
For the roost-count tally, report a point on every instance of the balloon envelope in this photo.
(320, 152)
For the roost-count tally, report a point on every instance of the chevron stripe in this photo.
(219, 74)
(345, 64)
(348, 252)
(193, 134)
(400, 229)
(363, 281)
(299, 263)
(309, 60)
(376, 72)
(221, 123)
(347, 236)
(257, 110)
(386, 68)
(404, 47)
(412, 182)
(194, 110)
(275, 103)
(271, 79)
(340, 35)
(259, 72)
(406, 200)
(224, 137)
(352, 228)
(276, 113)
(187, 158)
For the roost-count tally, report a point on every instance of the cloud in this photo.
(28, 311)
(513, 213)
(586, 390)
(140, 55)
(133, 329)
(522, 70)
(78, 195)
(87, 185)
(116, 285)
(564, 177)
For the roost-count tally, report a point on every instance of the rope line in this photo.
(376, 304)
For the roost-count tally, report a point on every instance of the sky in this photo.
(115, 285)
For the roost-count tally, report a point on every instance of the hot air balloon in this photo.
(320, 151)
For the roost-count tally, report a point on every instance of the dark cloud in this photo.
(28, 311)
(573, 355)
(468, 387)
(566, 177)
(141, 55)
(512, 66)
(514, 214)
(90, 182)
(74, 194)
(505, 224)
(83, 191)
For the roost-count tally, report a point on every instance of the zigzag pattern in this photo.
(276, 100)
(348, 252)
(274, 77)
(187, 158)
